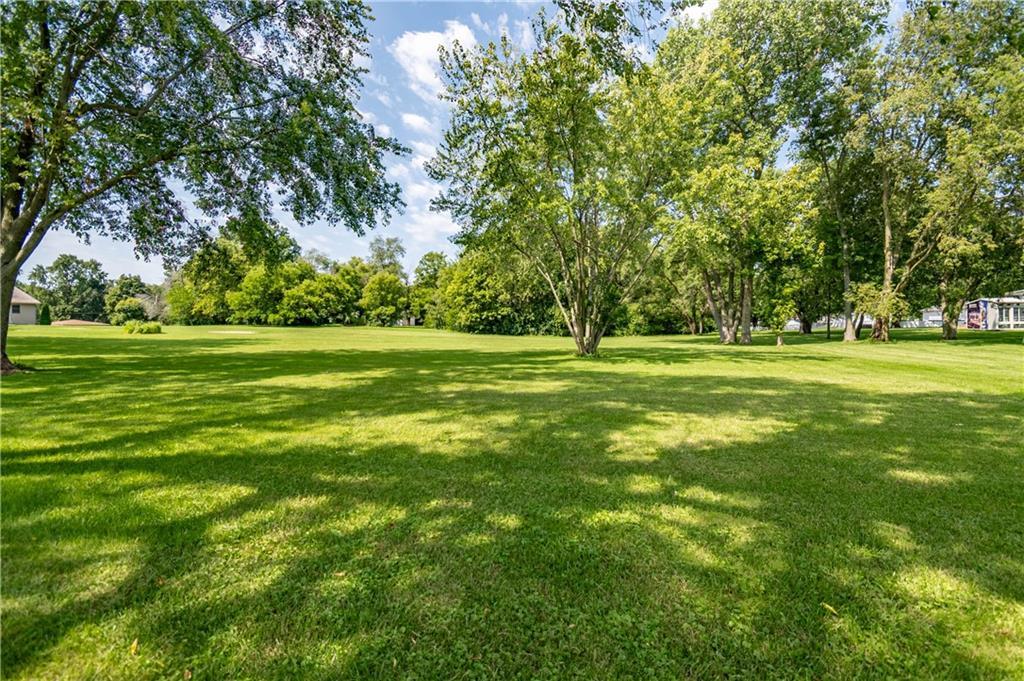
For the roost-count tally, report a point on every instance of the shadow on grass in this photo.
(509, 514)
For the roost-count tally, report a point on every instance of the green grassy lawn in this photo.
(368, 503)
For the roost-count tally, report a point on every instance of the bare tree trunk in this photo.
(806, 325)
(858, 326)
(880, 329)
(716, 312)
(727, 335)
(778, 340)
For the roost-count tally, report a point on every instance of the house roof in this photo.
(22, 298)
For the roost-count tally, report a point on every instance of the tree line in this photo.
(768, 161)
(773, 160)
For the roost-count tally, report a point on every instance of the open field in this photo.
(367, 503)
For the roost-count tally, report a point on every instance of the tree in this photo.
(728, 78)
(125, 286)
(551, 156)
(429, 269)
(384, 299)
(488, 291)
(106, 106)
(836, 49)
(73, 288)
(44, 315)
(320, 261)
(198, 293)
(126, 310)
(386, 255)
(259, 297)
(324, 299)
(424, 291)
(938, 155)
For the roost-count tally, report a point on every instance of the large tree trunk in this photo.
(857, 326)
(722, 306)
(7, 275)
(950, 309)
(880, 329)
(851, 326)
(949, 328)
(746, 293)
(806, 325)
(778, 340)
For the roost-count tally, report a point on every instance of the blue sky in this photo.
(400, 99)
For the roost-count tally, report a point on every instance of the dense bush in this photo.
(486, 293)
(324, 299)
(124, 287)
(126, 310)
(141, 327)
(258, 299)
(44, 315)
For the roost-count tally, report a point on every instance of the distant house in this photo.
(24, 308)
(932, 316)
(1004, 312)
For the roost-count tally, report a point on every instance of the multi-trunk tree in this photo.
(109, 109)
(560, 158)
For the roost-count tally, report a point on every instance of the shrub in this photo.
(141, 327)
(126, 310)
(44, 315)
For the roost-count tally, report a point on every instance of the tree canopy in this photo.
(111, 110)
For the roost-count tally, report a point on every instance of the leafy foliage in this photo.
(73, 288)
(128, 309)
(384, 299)
(142, 327)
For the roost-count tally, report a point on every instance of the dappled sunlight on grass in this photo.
(324, 503)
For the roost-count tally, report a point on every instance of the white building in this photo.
(24, 307)
(1004, 312)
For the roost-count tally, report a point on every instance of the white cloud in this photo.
(418, 123)
(423, 148)
(416, 53)
(384, 130)
(702, 11)
(420, 193)
(526, 39)
(427, 226)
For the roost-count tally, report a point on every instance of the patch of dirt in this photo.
(78, 322)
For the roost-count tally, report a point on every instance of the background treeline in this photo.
(483, 290)
(227, 283)
(772, 161)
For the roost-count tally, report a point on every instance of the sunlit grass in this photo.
(325, 503)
